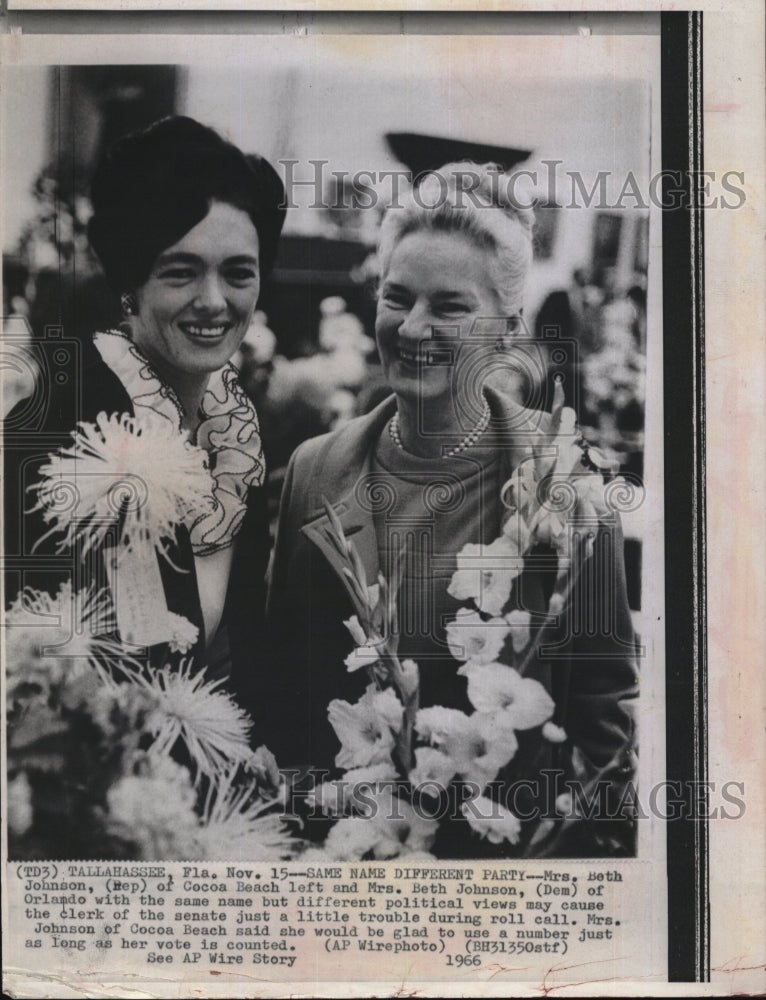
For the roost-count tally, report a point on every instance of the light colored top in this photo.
(436, 506)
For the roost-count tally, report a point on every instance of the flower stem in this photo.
(410, 698)
(551, 617)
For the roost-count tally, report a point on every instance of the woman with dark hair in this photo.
(463, 545)
(156, 492)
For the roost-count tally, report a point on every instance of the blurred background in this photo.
(309, 359)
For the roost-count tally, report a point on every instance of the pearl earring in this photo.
(128, 304)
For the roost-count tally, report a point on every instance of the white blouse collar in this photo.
(228, 431)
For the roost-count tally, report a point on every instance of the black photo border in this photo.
(684, 517)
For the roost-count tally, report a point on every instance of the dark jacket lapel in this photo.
(342, 467)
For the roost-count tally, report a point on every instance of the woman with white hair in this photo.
(452, 492)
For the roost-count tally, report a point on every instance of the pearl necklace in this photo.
(470, 439)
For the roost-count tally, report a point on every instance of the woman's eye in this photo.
(451, 308)
(176, 274)
(394, 300)
(240, 275)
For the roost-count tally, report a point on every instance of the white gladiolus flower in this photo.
(556, 604)
(330, 797)
(356, 630)
(485, 574)
(436, 723)
(335, 798)
(366, 730)
(565, 805)
(315, 855)
(403, 830)
(551, 528)
(363, 778)
(373, 596)
(263, 763)
(592, 492)
(478, 745)
(554, 733)
(432, 767)
(471, 638)
(494, 687)
(392, 829)
(516, 532)
(519, 623)
(410, 677)
(351, 838)
(518, 493)
(362, 656)
(491, 820)
(568, 451)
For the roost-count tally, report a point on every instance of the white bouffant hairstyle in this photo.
(479, 201)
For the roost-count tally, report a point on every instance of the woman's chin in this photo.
(420, 387)
(207, 360)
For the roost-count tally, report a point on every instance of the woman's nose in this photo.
(210, 294)
(416, 325)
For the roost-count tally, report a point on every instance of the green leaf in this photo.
(334, 520)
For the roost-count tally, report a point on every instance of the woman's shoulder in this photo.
(64, 398)
(102, 389)
(345, 446)
(95, 387)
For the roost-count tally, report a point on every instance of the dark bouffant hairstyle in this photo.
(153, 186)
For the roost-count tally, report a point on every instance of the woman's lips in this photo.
(410, 357)
(205, 331)
(438, 356)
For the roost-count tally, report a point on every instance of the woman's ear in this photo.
(128, 305)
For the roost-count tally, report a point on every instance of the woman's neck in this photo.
(189, 388)
(443, 426)
(190, 391)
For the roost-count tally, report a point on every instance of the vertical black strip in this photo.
(55, 161)
(700, 513)
(683, 317)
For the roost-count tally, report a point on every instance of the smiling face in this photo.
(197, 304)
(434, 280)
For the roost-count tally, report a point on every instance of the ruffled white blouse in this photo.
(228, 431)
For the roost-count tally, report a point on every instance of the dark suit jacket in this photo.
(28, 440)
(590, 676)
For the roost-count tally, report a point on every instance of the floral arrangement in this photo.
(112, 761)
(394, 753)
(107, 757)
